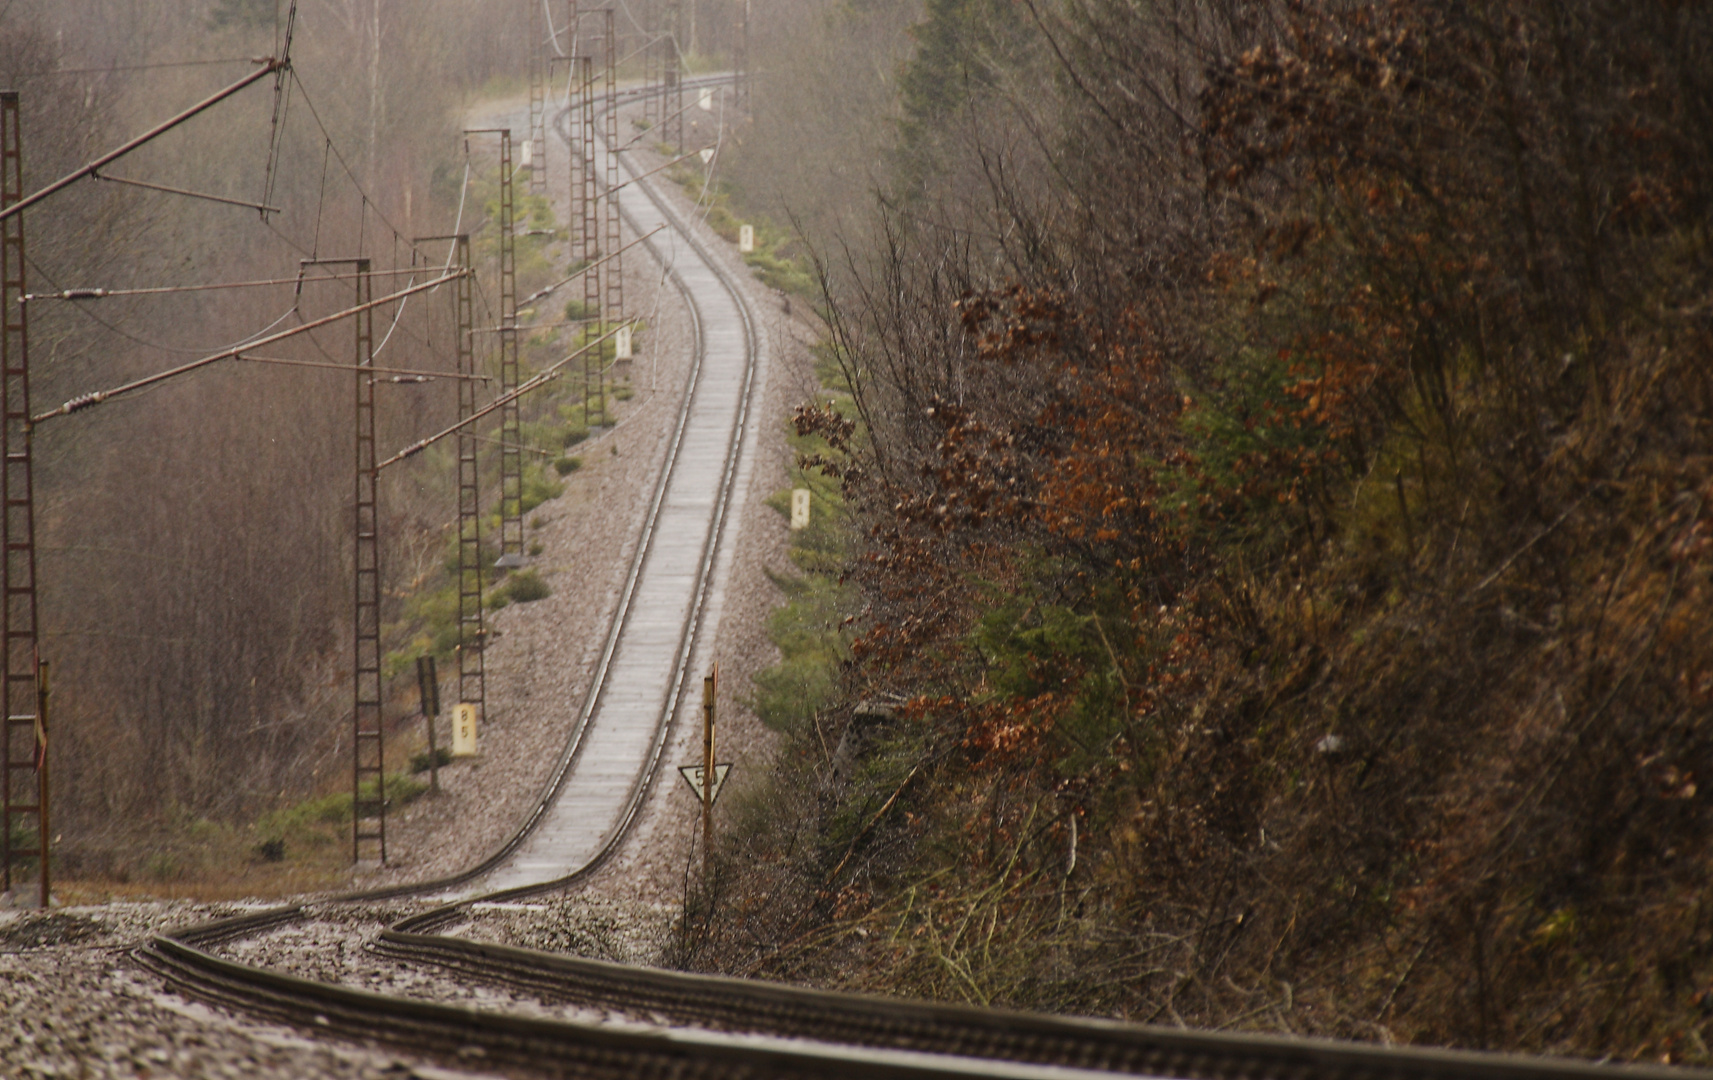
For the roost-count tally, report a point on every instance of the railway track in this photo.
(670, 1024)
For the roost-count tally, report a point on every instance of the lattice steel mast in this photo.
(472, 632)
(537, 151)
(590, 227)
(673, 99)
(472, 629)
(653, 64)
(612, 271)
(367, 734)
(24, 768)
(511, 456)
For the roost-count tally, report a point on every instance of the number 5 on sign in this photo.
(694, 774)
(464, 730)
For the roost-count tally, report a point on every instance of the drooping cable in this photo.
(115, 69)
(282, 101)
(84, 401)
(552, 31)
(84, 310)
(212, 286)
(321, 202)
(350, 174)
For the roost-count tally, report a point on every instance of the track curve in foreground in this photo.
(701, 1026)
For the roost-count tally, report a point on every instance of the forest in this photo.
(1262, 556)
(193, 539)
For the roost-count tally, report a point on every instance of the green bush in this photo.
(567, 465)
(526, 586)
(538, 487)
(424, 761)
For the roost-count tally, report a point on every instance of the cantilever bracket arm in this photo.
(547, 375)
(269, 66)
(96, 174)
(84, 401)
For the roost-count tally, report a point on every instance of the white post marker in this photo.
(464, 730)
(621, 343)
(693, 774)
(705, 98)
(799, 509)
(746, 238)
(706, 154)
(527, 147)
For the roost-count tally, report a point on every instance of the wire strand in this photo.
(135, 340)
(129, 67)
(343, 164)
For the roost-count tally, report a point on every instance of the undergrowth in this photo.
(777, 259)
(1279, 606)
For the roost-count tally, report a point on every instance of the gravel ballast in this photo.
(76, 1004)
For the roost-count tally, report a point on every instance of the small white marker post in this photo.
(746, 238)
(525, 161)
(464, 721)
(706, 154)
(705, 98)
(799, 509)
(621, 343)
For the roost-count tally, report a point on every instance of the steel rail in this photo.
(551, 1047)
(173, 946)
(737, 1025)
(748, 1006)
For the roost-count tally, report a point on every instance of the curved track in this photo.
(687, 1025)
(642, 673)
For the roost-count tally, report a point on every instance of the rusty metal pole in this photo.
(23, 743)
(472, 631)
(673, 107)
(710, 690)
(368, 757)
(590, 225)
(613, 273)
(574, 48)
(511, 438)
(650, 58)
(367, 734)
(574, 136)
(537, 101)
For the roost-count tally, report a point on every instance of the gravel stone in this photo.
(76, 1004)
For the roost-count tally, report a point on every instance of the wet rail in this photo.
(701, 1026)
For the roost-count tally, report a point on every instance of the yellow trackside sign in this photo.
(464, 722)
